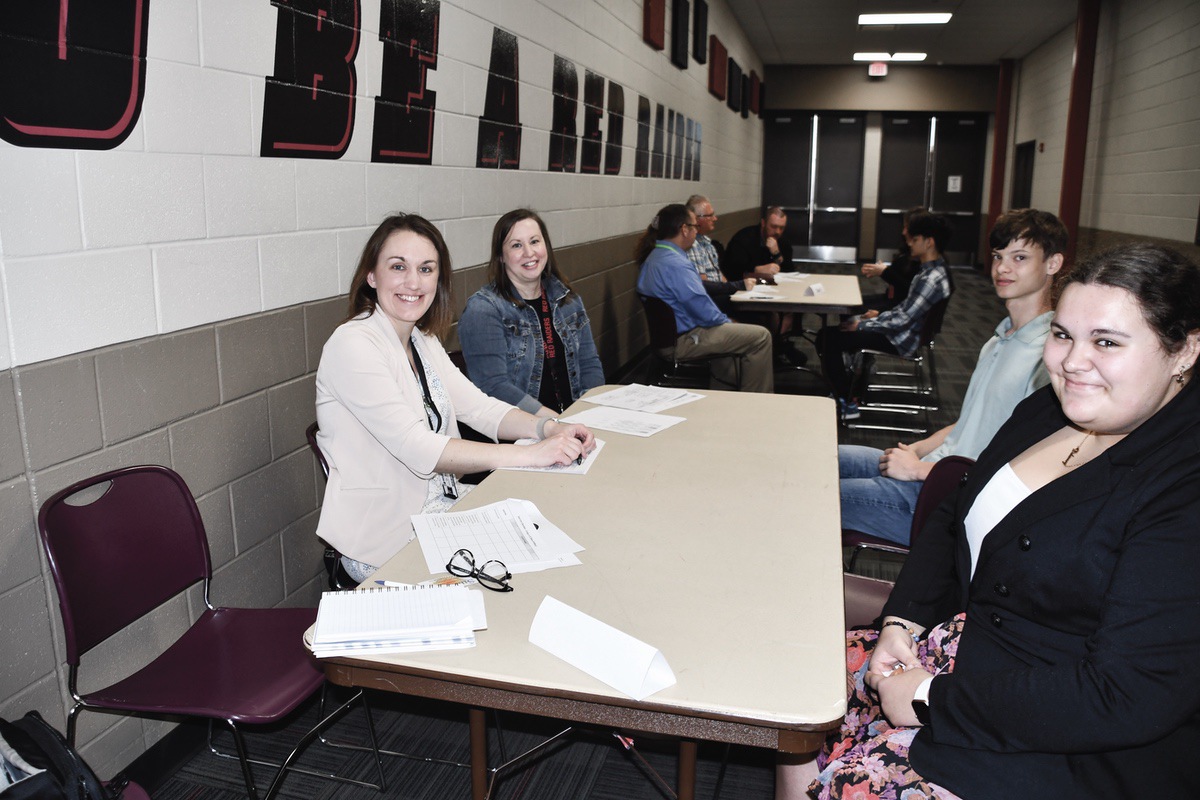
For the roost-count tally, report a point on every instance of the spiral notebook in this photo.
(396, 619)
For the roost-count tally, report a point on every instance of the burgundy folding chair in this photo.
(123, 543)
(945, 475)
(864, 599)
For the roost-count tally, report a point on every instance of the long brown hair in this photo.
(666, 225)
(436, 320)
(497, 275)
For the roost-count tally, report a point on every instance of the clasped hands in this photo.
(900, 462)
(894, 674)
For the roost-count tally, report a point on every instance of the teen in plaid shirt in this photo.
(897, 330)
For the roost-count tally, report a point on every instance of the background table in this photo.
(716, 541)
(841, 296)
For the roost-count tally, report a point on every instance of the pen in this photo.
(579, 460)
(390, 583)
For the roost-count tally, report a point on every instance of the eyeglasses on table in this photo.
(491, 574)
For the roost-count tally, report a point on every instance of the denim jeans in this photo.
(871, 503)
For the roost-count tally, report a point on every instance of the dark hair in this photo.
(497, 275)
(907, 214)
(666, 225)
(436, 320)
(1165, 284)
(932, 226)
(1035, 227)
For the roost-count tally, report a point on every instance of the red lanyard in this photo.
(547, 328)
(548, 348)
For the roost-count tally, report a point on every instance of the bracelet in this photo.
(897, 622)
(541, 426)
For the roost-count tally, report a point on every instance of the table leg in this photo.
(687, 769)
(478, 724)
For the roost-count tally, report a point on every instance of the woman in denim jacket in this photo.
(526, 304)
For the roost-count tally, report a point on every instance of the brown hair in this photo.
(666, 225)
(497, 275)
(435, 321)
(1165, 284)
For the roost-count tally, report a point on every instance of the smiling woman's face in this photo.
(1106, 364)
(405, 279)
(525, 258)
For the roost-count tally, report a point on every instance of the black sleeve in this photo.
(739, 254)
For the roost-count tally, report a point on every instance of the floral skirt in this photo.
(867, 757)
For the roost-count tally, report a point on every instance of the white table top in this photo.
(716, 541)
(840, 294)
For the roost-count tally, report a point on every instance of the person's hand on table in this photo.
(873, 270)
(750, 282)
(560, 449)
(766, 269)
(580, 433)
(901, 463)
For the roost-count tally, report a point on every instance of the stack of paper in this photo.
(639, 397)
(396, 619)
(511, 531)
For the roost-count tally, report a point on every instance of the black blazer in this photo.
(1078, 671)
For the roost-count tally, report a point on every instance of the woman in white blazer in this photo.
(389, 400)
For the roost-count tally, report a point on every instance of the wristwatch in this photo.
(921, 709)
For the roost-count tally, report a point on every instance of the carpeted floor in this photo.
(588, 764)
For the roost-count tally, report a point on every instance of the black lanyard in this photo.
(431, 411)
(434, 418)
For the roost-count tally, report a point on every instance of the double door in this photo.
(813, 168)
(935, 161)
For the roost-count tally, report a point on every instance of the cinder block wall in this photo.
(165, 301)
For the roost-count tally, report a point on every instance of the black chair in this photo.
(339, 579)
(673, 371)
(917, 384)
(122, 544)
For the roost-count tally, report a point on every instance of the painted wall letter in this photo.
(641, 162)
(404, 109)
(499, 142)
(593, 111)
(616, 129)
(563, 139)
(72, 73)
(308, 109)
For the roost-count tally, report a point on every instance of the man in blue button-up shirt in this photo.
(703, 329)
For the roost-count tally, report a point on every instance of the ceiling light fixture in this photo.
(904, 19)
(890, 56)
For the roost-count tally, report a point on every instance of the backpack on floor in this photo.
(36, 763)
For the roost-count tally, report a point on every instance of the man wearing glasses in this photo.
(703, 329)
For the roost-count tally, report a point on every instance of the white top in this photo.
(999, 496)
